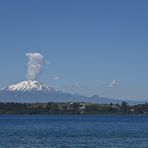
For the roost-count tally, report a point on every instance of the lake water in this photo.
(73, 131)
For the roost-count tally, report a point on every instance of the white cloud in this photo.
(56, 78)
(35, 65)
(113, 83)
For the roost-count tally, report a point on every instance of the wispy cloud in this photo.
(80, 88)
(47, 62)
(56, 78)
(113, 84)
(76, 84)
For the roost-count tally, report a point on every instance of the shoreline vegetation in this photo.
(59, 108)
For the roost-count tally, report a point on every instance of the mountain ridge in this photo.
(33, 91)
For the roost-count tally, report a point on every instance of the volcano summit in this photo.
(29, 86)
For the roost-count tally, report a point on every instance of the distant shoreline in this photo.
(72, 108)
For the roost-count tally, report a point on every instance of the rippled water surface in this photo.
(73, 131)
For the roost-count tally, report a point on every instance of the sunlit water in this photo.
(73, 131)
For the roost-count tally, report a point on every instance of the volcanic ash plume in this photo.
(34, 64)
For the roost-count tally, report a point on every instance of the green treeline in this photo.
(72, 108)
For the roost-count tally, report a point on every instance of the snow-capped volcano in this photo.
(28, 86)
(33, 91)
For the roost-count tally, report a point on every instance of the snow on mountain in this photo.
(33, 91)
(28, 86)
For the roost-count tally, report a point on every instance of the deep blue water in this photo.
(73, 131)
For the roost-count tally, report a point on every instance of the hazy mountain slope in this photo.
(33, 91)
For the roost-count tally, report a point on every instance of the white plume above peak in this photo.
(35, 64)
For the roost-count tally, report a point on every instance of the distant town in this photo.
(72, 108)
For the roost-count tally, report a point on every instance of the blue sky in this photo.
(94, 46)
